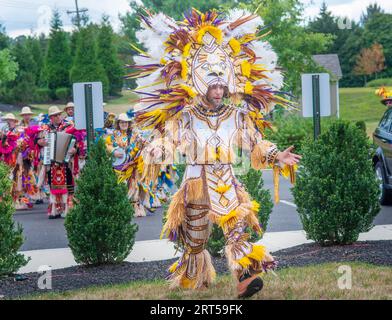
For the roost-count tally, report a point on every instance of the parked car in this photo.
(382, 161)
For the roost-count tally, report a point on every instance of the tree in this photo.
(35, 48)
(11, 237)
(4, 40)
(99, 226)
(325, 22)
(375, 32)
(348, 52)
(8, 67)
(336, 191)
(86, 66)
(107, 55)
(370, 61)
(58, 58)
(293, 43)
(22, 89)
(371, 10)
(176, 9)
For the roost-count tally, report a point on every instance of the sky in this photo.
(23, 17)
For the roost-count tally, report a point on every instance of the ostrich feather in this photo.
(264, 54)
(244, 28)
(274, 80)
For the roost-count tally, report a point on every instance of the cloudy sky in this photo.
(26, 17)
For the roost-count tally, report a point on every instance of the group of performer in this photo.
(25, 147)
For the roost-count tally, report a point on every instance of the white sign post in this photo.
(88, 100)
(316, 98)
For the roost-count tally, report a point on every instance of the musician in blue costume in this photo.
(59, 176)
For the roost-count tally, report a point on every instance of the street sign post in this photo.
(88, 100)
(316, 98)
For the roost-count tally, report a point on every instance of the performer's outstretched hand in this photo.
(287, 157)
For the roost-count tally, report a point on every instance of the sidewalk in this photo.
(153, 250)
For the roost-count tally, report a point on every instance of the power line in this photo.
(78, 12)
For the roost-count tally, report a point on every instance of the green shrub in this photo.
(99, 226)
(11, 238)
(379, 83)
(63, 94)
(361, 125)
(254, 184)
(336, 190)
(42, 95)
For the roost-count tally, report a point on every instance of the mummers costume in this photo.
(199, 54)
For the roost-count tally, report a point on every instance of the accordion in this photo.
(58, 148)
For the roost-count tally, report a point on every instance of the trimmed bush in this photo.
(336, 190)
(11, 237)
(99, 226)
(379, 83)
(361, 125)
(254, 184)
(63, 94)
(42, 95)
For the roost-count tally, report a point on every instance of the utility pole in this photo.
(78, 12)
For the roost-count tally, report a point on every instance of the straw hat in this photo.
(10, 116)
(69, 105)
(123, 117)
(25, 111)
(53, 110)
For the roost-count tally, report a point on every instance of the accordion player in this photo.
(57, 150)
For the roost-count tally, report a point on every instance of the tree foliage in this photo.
(8, 67)
(87, 66)
(99, 226)
(108, 56)
(58, 58)
(11, 238)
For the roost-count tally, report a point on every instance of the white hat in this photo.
(26, 110)
(69, 105)
(10, 116)
(123, 117)
(53, 110)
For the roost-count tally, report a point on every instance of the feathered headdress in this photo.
(183, 59)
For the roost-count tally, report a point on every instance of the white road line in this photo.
(288, 203)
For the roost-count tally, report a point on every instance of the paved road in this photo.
(42, 233)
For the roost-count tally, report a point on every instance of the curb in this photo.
(154, 250)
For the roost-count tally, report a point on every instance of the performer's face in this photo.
(56, 119)
(70, 112)
(11, 124)
(26, 117)
(215, 94)
(123, 125)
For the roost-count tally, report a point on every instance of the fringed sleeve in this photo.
(263, 153)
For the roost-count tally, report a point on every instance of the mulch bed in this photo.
(374, 252)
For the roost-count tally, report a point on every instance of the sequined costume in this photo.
(204, 50)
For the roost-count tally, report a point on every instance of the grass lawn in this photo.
(361, 104)
(311, 282)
